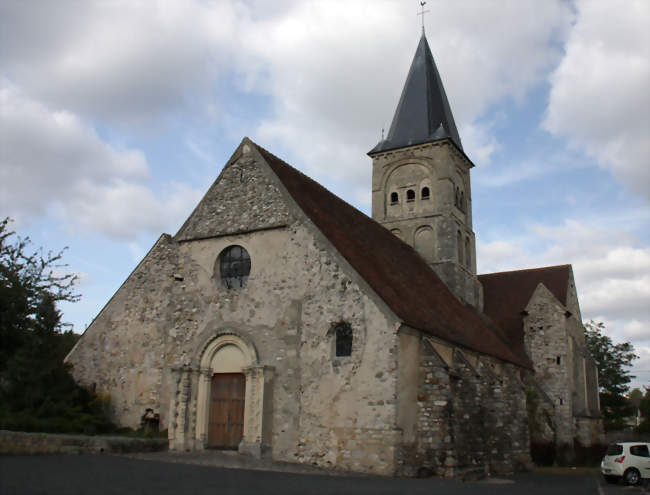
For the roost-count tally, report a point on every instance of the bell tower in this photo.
(421, 180)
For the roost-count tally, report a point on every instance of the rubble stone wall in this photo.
(471, 415)
(549, 347)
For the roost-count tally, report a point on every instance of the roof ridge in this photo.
(522, 270)
(393, 269)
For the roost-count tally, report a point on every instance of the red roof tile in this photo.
(393, 269)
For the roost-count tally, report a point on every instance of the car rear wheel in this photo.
(632, 476)
(611, 479)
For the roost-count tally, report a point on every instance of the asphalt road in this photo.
(107, 474)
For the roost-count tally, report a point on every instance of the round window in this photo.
(234, 267)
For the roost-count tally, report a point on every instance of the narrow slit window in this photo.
(343, 340)
(426, 194)
(410, 195)
(394, 198)
(558, 360)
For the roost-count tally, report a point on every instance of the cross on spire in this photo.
(422, 4)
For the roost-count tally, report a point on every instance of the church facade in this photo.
(280, 321)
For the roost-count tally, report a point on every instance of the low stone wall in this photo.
(20, 443)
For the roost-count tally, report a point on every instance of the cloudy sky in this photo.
(116, 116)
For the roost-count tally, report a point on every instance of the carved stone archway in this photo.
(230, 353)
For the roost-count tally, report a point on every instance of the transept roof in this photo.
(506, 294)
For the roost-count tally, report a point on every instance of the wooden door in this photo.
(226, 426)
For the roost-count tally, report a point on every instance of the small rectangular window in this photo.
(343, 340)
(558, 360)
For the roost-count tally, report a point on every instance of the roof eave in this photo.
(374, 152)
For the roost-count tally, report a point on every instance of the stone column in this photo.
(202, 407)
(178, 409)
(256, 410)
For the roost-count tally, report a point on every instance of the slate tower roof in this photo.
(423, 114)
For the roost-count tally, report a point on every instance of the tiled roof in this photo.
(393, 269)
(506, 295)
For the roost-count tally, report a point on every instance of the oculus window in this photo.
(234, 267)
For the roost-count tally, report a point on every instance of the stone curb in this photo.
(22, 443)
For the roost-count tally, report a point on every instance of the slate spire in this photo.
(423, 114)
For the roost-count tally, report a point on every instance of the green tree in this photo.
(37, 391)
(613, 374)
(644, 407)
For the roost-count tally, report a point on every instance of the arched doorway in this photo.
(222, 392)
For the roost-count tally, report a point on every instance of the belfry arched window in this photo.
(426, 194)
(394, 198)
(410, 195)
(234, 267)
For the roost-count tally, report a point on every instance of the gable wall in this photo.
(326, 410)
(146, 347)
(546, 338)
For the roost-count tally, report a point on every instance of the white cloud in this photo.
(52, 162)
(336, 83)
(124, 210)
(333, 70)
(612, 273)
(599, 98)
(126, 61)
(44, 151)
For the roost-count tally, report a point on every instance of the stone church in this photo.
(280, 321)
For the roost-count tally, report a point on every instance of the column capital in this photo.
(258, 370)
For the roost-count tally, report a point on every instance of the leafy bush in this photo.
(37, 392)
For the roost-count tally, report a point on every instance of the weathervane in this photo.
(422, 4)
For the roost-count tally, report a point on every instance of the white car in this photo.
(627, 460)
